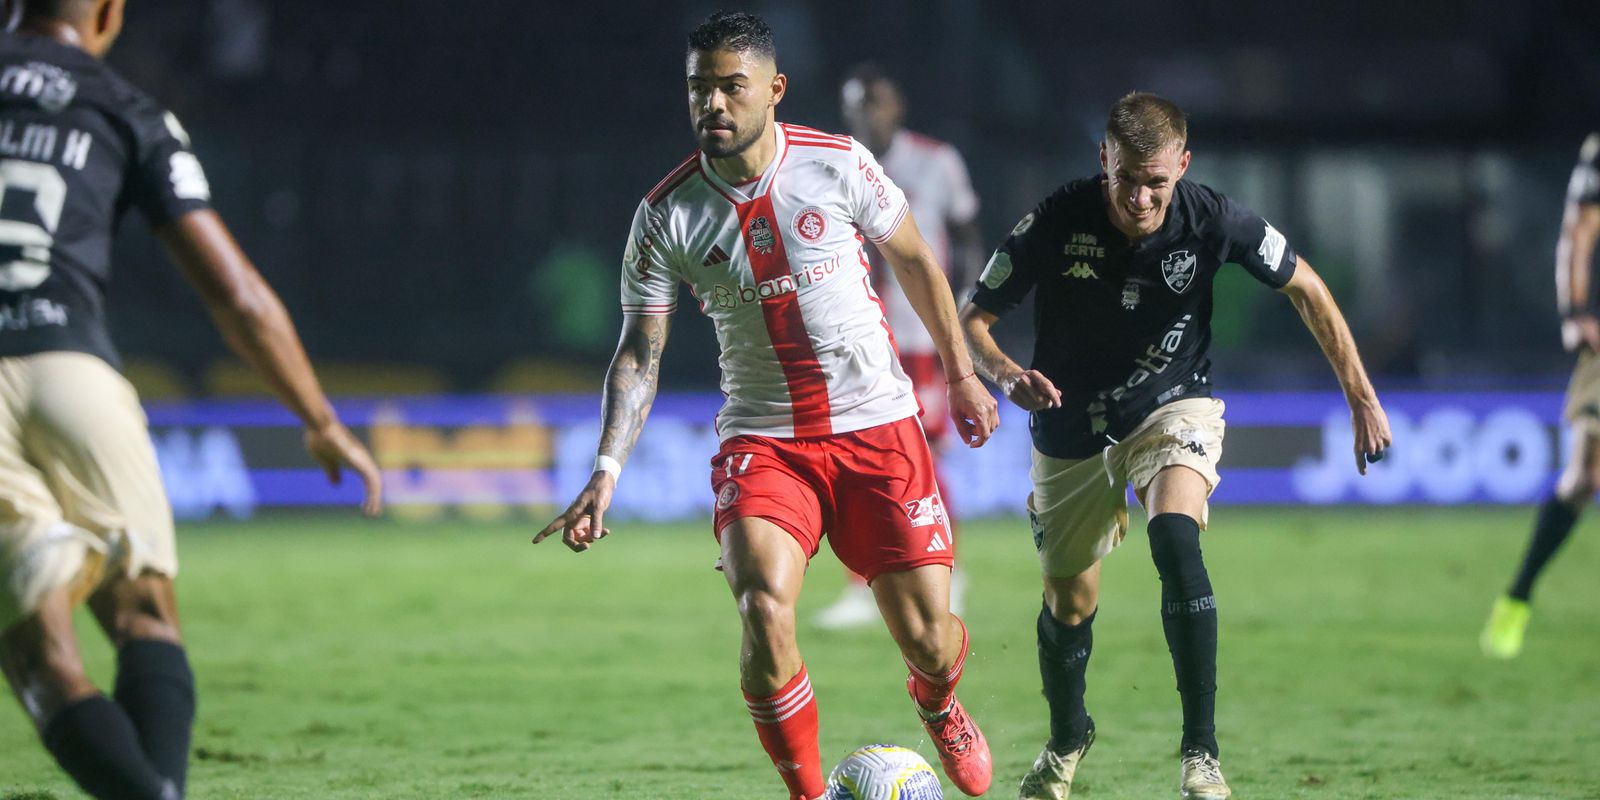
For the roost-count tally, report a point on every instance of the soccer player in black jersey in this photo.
(1121, 266)
(1578, 300)
(83, 515)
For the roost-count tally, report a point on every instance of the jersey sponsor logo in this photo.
(1084, 245)
(1156, 359)
(188, 179)
(761, 236)
(726, 495)
(1271, 249)
(810, 224)
(997, 270)
(875, 181)
(46, 84)
(1023, 224)
(1080, 270)
(725, 296)
(926, 511)
(1178, 269)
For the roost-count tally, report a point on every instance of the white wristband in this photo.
(608, 465)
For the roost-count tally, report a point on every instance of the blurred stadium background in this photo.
(441, 191)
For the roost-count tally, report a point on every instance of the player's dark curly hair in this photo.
(734, 30)
(1147, 124)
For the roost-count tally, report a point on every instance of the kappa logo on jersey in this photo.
(761, 237)
(716, 256)
(1178, 269)
(1271, 249)
(1080, 270)
(46, 84)
(997, 270)
(810, 224)
(927, 511)
(726, 495)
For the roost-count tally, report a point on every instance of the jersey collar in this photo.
(746, 192)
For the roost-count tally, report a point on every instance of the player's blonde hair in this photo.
(1147, 124)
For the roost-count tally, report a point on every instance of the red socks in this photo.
(933, 692)
(787, 725)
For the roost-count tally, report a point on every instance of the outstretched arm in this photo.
(928, 291)
(1322, 316)
(1029, 388)
(255, 324)
(631, 383)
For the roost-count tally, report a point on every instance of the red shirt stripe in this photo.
(674, 179)
(786, 327)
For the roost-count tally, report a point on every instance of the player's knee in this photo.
(1070, 600)
(1175, 548)
(766, 616)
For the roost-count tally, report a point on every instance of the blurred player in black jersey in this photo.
(1121, 265)
(83, 515)
(1578, 301)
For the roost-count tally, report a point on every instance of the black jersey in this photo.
(1122, 328)
(78, 146)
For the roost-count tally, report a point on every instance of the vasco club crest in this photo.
(1178, 270)
(761, 237)
(809, 224)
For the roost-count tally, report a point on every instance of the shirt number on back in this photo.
(32, 265)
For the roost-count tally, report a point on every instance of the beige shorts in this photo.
(81, 498)
(1583, 395)
(1079, 507)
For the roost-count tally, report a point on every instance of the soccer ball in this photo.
(883, 772)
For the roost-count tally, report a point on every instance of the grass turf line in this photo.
(339, 659)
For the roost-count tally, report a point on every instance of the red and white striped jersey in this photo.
(940, 192)
(778, 266)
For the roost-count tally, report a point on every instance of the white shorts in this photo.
(1079, 507)
(81, 498)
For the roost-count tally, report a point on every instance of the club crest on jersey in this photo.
(761, 237)
(810, 224)
(1178, 269)
(726, 495)
(926, 511)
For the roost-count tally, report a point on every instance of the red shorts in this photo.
(872, 492)
(927, 379)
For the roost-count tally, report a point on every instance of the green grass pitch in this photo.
(342, 659)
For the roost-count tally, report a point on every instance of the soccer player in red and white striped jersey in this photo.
(766, 223)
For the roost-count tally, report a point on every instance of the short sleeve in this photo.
(877, 204)
(961, 200)
(1585, 184)
(166, 180)
(1014, 268)
(649, 280)
(1252, 243)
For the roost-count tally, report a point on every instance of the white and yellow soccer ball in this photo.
(883, 772)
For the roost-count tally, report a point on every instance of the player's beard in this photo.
(743, 136)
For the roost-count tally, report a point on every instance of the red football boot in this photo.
(963, 752)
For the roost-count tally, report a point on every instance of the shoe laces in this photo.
(956, 732)
(1205, 766)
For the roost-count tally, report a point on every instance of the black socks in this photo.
(94, 741)
(1550, 529)
(1063, 657)
(156, 689)
(1189, 618)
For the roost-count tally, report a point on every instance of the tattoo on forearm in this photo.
(631, 386)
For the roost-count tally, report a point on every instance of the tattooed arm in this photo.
(630, 390)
